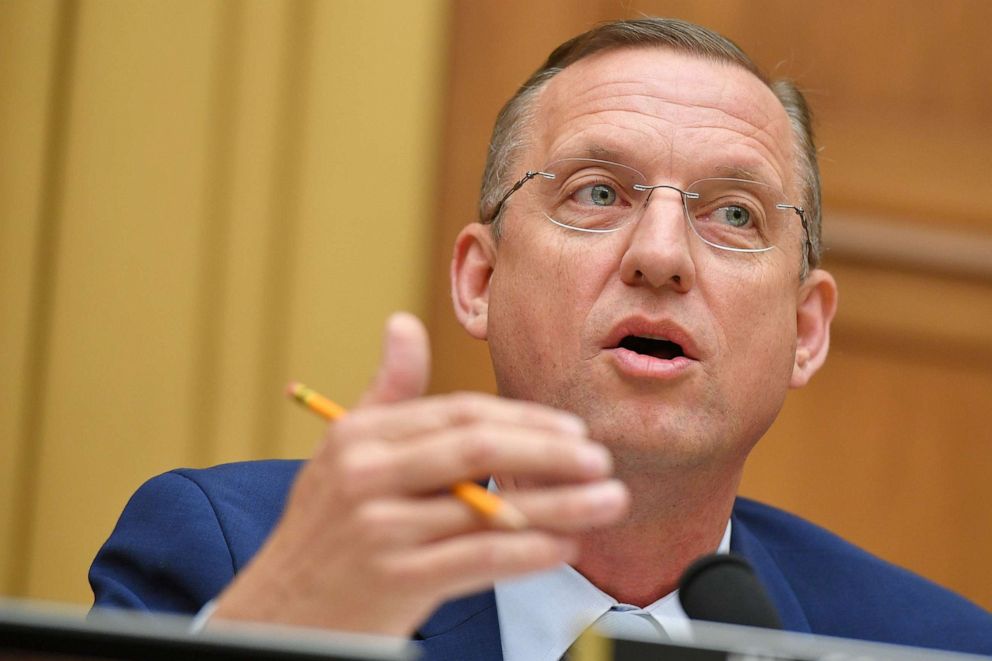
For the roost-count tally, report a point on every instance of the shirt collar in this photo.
(542, 614)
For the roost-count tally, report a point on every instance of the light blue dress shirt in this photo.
(542, 614)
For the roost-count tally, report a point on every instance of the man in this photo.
(645, 273)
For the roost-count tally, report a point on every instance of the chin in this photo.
(660, 440)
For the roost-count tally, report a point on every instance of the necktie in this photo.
(623, 621)
(629, 623)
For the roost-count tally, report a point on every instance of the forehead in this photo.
(666, 113)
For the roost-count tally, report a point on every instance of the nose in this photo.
(658, 250)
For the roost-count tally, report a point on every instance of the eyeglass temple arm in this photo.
(801, 212)
(523, 180)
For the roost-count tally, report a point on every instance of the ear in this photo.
(471, 269)
(815, 311)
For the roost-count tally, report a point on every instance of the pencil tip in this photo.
(295, 389)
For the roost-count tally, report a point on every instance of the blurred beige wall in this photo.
(199, 201)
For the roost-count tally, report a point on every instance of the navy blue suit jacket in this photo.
(185, 534)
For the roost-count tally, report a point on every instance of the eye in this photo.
(601, 195)
(733, 215)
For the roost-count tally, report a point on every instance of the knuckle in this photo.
(571, 507)
(537, 551)
(375, 524)
(488, 557)
(376, 567)
(348, 426)
(532, 551)
(359, 469)
(479, 447)
(325, 453)
(466, 406)
(497, 556)
(400, 575)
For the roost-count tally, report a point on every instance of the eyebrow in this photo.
(603, 153)
(737, 172)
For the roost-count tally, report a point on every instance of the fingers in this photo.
(403, 374)
(401, 420)
(371, 513)
(405, 366)
(468, 563)
(432, 462)
(573, 508)
(398, 523)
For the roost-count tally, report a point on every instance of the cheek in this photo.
(539, 297)
(756, 318)
(544, 272)
(751, 377)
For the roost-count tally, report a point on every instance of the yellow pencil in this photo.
(496, 510)
(316, 402)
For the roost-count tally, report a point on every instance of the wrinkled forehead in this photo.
(655, 108)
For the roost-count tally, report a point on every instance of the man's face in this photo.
(564, 307)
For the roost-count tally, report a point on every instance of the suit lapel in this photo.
(466, 628)
(745, 542)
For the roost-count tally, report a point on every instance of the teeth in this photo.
(655, 337)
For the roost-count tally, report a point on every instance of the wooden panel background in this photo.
(890, 445)
(199, 200)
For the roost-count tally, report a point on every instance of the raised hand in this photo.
(371, 539)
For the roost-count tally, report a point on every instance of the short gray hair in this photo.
(510, 134)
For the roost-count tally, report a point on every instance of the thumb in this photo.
(405, 366)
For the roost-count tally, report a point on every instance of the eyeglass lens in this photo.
(599, 196)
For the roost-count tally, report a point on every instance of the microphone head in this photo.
(724, 588)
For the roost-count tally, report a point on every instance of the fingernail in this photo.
(573, 424)
(568, 550)
(595, 460)
(607, 495)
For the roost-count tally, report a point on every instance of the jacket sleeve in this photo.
(168, 552)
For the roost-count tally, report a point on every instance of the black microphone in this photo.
(724, 588)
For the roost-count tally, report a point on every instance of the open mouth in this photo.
(651, 346)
